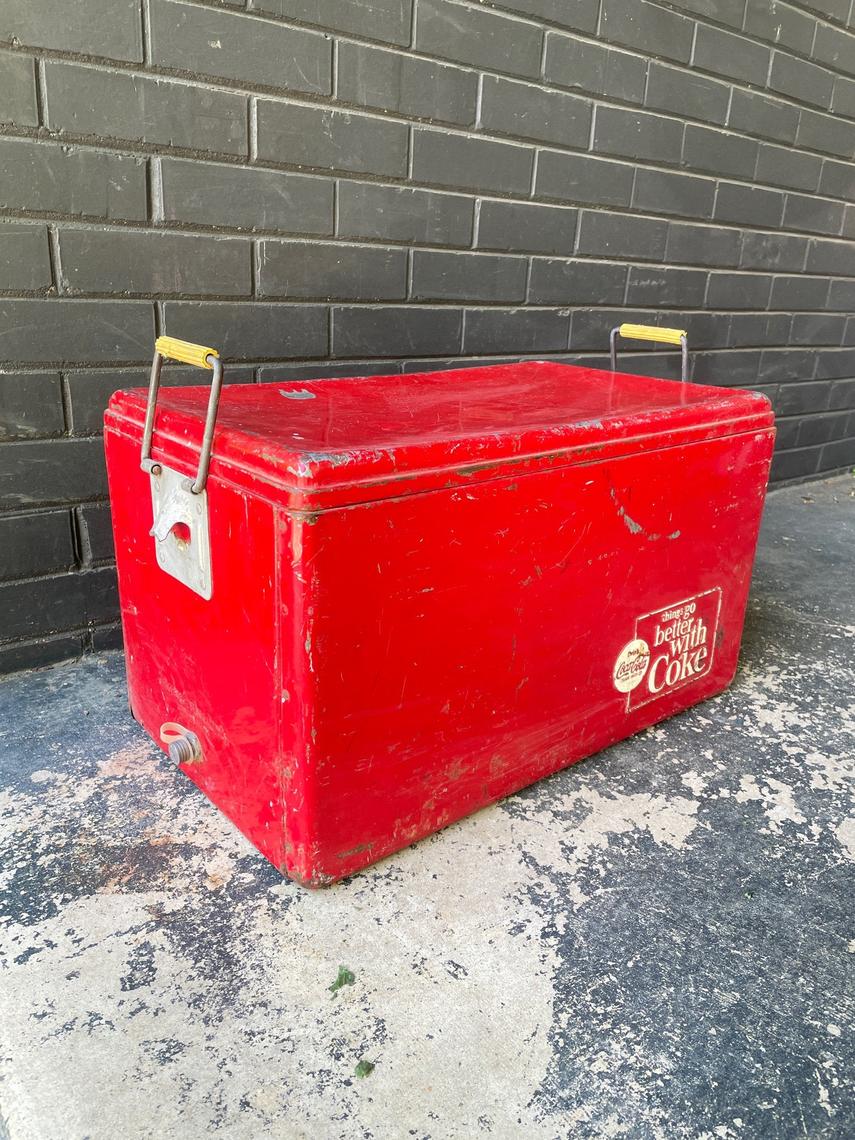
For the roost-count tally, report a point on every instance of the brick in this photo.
(818, 328)
(837, 179)
(48, 178)
(847, 230)
(35, 544)
(637, 135)
(104, 637)
(24, 257)
(525, 111)
(62, 602)
(842, 395)
(671, 288)
(572, 282)
(43, 651)
(738, 291)
(706, 330)
(759, 329)
(800, 292)
(440, 276)
(799, 398)
(834, 364)
(758, 115)
(787, 434)
(622, 235)
(577, 178)
(251, 332)
(828, 134)
(326, 271)
(833, 46)
(276, 373)
(90, 390)
(788, 365)
(393, 213)
(836, 257)
(479, 37)
(432, 364)
(719, 153)
(330, 140)
(521, 227)
(839, 10)
(234, 46)
(647, 28)
(722, 11)
(661, 365)
(702, 245)
(38, 331)
(96, 533)
(792, 169)
(404, 331)
(234, 197)
(815, 215)
(773, 251)
(840, 453)
(594, 68)
(590, 327)
(693, 96)
(663, 192)
(34, 472)
(794, 464)
(841, 296)
(801, 80)
(820, 429)
(479, 164)
(724, 53)
(30, 405)
(580, 15)
(124, 261)
(394, 81)
(493, 331)
(18, 89)
(110, 28)
(110, 104)
(748, 205)
(733, 369)
(843, 98)
(386, 20)
(780, 24)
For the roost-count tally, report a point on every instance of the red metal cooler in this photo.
(391, 601)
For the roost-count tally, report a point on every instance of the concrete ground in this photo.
(657, 942)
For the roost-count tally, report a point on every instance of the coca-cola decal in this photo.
(672, 647)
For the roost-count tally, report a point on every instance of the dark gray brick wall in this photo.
(332, 187)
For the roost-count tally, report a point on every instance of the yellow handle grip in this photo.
(651, 332)
(183, 350)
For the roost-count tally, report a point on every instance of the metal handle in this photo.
(654, 333)
(200, 357)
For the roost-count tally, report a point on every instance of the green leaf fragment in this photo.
(364, 1068)
(345, 978)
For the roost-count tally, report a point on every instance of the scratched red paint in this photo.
(431, 590)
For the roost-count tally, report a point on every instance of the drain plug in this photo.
(185, 749)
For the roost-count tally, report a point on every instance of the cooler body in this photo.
(465, 642)
(382, 654)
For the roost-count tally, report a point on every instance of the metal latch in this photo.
(181, 537)
(180, 505)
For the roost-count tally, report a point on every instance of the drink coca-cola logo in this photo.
(672, 647)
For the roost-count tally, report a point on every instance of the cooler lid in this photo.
(319, 443)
